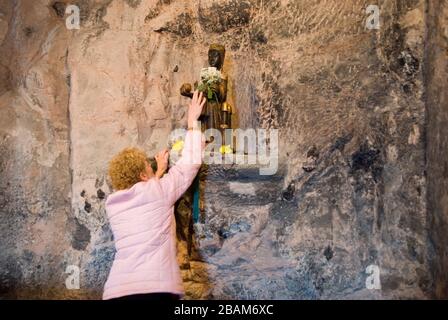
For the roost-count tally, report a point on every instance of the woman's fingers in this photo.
(195, 97)
(161, 154)
(164, 154)
(203, 100)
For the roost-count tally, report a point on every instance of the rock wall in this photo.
(36, 221)
(350, 190)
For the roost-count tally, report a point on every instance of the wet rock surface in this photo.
(350, 190)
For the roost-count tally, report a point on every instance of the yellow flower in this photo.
(225, 149)
(178, 145)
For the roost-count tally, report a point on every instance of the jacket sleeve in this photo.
(181, 175)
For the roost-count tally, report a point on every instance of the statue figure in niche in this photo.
(216, 113)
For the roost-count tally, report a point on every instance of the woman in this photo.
(141, 215)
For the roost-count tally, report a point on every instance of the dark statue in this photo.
(217, 112)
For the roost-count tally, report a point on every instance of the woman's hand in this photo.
(162, 162)
(195, 108)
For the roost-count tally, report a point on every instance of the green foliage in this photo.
(208, 91)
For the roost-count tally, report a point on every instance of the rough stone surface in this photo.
(351, 188)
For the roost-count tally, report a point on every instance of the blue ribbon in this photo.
(196, 199)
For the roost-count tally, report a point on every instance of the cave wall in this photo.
(35, 220)
(350, 190)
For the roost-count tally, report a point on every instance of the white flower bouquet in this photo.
(210, 80)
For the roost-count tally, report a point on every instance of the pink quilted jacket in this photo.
(144, 228)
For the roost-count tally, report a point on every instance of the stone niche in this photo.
(361, 115)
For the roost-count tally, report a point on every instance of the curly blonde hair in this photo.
(125, 168)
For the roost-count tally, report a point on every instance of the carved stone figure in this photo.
(217, 112)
